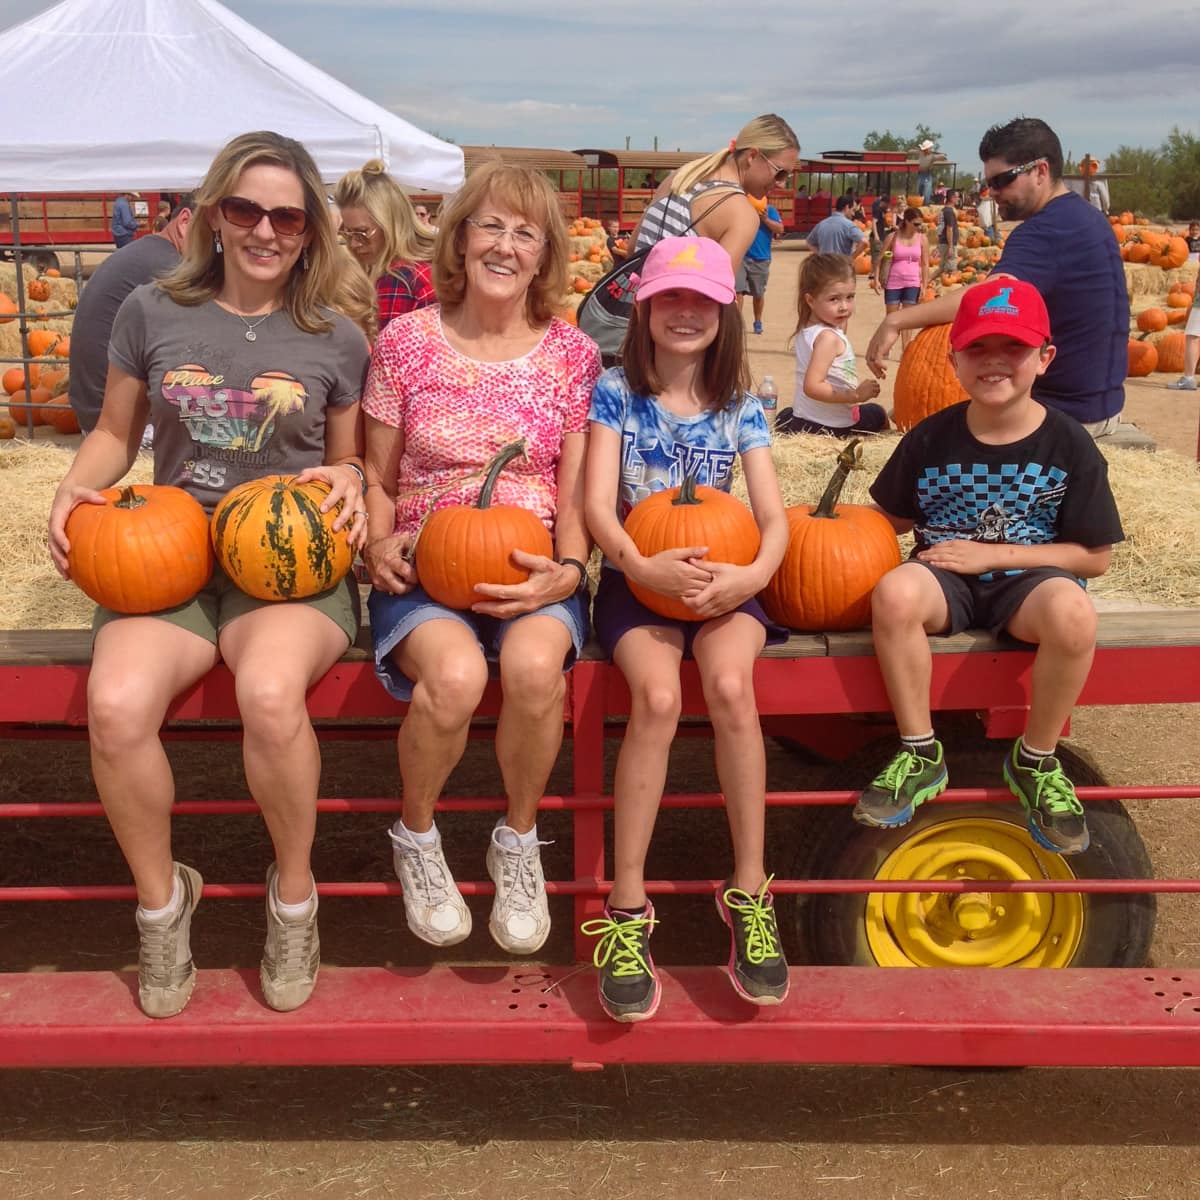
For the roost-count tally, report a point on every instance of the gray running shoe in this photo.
(520, 920)
(291, 955)
(166, 973)
(433, 905)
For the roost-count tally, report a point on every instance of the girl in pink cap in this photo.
(679, 408)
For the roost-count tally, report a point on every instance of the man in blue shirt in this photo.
(837, 234)
(124, 224)
(752, 274)
(1066, 249)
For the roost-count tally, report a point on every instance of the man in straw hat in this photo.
(926, 157)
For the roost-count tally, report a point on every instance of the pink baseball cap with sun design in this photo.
(692, 264)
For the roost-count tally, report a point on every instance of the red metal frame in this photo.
(535, 1013)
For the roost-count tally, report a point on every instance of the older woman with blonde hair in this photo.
(382, 231)
(450, 386)
(723, 195)
(250, 302)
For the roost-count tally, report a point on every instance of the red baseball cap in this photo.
(1002, 305)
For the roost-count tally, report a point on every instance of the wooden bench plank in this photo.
(445, 1014)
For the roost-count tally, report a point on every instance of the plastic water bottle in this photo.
(768, 395)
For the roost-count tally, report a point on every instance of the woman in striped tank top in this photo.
(722, 195)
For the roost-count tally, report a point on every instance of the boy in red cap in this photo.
(1011, 509)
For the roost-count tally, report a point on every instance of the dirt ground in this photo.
(836, 1133)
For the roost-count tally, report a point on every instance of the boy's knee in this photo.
(899, 598)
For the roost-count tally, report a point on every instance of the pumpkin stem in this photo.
(511, 451)
(850, 459)
(687, 491)
(129, 499)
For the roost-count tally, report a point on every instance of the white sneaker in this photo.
(434, 906)
(291, 955)
(520, 920)
(166, 973)
(1185, 383)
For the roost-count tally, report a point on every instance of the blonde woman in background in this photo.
(723, 193)
(383, 233)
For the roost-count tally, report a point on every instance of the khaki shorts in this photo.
(220, 601)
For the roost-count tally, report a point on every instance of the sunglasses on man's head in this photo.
(245, 214)
(1004, 178)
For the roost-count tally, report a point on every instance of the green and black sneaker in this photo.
(901, 788)
(629, 988)
(757, 967)
(1052, 810)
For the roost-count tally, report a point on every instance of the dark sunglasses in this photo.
(245, 214)
(996, 182)
(781, 173)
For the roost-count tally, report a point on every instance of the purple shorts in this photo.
(616, 610)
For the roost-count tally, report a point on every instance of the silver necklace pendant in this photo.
(251, 336)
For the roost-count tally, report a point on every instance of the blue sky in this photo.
(544, 73)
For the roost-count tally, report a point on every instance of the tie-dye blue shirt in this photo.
(659, 448)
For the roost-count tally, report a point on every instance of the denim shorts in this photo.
(393, 618)
(905, 295)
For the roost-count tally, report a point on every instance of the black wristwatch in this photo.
(580, 567)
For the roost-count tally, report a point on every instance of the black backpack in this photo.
(604, 312)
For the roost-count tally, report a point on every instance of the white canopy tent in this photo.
(146, 91)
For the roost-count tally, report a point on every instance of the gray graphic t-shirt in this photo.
(224, 409)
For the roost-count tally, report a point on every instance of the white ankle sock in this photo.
(428, 838)
(169, 910)
(296, 912)
(510, 839)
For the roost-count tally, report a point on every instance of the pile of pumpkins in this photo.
(1165, 351)
(40, 398)
(587, 261)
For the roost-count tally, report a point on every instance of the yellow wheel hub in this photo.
(977, 928)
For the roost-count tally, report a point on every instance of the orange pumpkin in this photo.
(1170, 352)
(862, 264)
(25, 407)
(836, 555)
(1169, 253)
(38, 289)
(42, 342)
(1139, 252)
(14, 378)
(145, 549)
(60, 416)
(61, 348)
(925, 382)
(1178, 300)
(8, 429)
(1151, 320)
(1126, 218)
(690, 515)
(1143, 358)
(52, 273)
(460, 546)
(8, 309)
(1177, 316)
(273, 541)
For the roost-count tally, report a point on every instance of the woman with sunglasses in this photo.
(383, 233)
(903, 268)
(722, 195)
(451, 386)
(245, 371)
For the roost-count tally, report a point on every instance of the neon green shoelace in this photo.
(620, 941)
(758, 922)
(892, 777)
(1054, 792)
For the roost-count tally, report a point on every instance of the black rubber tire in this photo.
(830, 929)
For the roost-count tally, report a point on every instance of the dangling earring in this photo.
(304, 259)
(217, 246)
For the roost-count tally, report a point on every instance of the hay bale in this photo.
(8, 279)
(1158, 496)
(33, 596)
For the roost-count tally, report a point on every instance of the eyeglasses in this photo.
(522, 239)
(996, 182)
(245, 214)
(780, 173)
(358, 235)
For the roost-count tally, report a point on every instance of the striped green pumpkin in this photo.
(273, 541)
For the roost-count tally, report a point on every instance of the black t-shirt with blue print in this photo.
(1051, 486)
